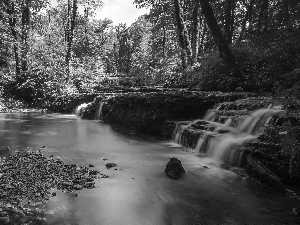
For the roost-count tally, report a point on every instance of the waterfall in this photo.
(79, 110)
(223, 142)
(256, 119)
(228, 122)
(99, 111)
(177, 135)
(209, 115)
(203, 141)
(224, 147)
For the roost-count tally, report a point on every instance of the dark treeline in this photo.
(53, 49)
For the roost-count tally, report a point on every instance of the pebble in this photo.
(110, 165)
(27, 178)
(295, 212)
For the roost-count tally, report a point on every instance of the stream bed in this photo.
(138, 192)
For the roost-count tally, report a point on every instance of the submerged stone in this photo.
(174, 168)
(110, 165)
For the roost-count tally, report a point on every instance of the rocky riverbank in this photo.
(28, 179)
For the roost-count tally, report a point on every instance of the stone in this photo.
(77, 187)
(295, 212)
(174, 168)
(110, 165)
(225, 166)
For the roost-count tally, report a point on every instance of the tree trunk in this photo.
(10, 9)
(195, 32)
(264, 8)
(183, 36)
(229, 20)
(220, 41)
(70, 37)
(86, 15)
(24, 38)
(249, 10)
(202, 36)
(164, 41)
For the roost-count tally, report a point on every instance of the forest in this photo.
(52, 49)
(189, 115)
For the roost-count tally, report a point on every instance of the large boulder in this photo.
(174, 168)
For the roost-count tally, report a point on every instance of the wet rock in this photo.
(225, 166)
(93, 172)
(256, 168)
(295, 212)
(174, 168)
(89, 185)
(110, 165)
(264, 211)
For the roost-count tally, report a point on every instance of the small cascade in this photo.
(223, 141)
(80, 109)
(99, 111)
(253, 122)
(203, 141)
(224, 147)
(209, 115)
(177, 134)
(228, 122)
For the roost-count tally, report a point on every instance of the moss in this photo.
(147, 112)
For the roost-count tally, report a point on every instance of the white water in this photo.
(99, 111)
(223, 147)
(228, 122)
(256, 119)
(80, 108)
(223, 144)
(178, 133)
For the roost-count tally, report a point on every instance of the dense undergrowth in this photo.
(268, 63)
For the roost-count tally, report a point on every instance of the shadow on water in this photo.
(138, 192)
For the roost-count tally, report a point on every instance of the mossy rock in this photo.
(174, 168)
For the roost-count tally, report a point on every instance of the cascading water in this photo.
(223, 142)
(99, 111)
(253, 122)
(79, 110)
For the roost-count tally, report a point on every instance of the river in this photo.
(139, 192)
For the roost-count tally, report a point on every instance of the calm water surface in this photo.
(140, 193)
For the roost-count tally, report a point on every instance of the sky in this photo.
(120, 11)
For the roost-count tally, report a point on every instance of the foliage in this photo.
(263, 68)
(34, 47)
